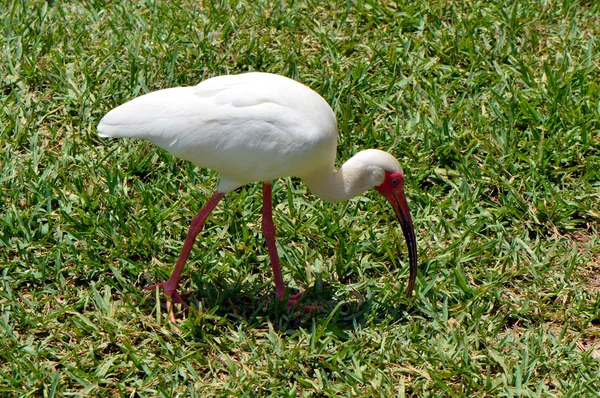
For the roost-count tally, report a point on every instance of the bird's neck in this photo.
(351, 180)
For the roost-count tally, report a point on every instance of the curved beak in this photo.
(400, 205)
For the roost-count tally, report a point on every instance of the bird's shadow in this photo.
(248, 304)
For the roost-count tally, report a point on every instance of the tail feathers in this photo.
(153, 114)
(106, 130)
(122, 130)
(126, 121)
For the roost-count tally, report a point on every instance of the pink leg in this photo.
(269, 231)
(170, 285)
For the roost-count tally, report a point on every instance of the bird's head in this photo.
(389, 178)
(366, 170)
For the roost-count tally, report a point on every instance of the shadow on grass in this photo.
(254, 305)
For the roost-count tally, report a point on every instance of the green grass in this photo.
(492, 108)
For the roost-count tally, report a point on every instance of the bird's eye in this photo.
(394, 182)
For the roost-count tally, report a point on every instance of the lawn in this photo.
(493, 109)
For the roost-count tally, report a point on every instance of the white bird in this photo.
(258, 127)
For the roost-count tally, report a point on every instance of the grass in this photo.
(491, 106)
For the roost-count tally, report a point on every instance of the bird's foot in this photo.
(174, 297)
(293, 302)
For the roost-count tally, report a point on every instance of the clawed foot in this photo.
(173, 295)
(293, 301)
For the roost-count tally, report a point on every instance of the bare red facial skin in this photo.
(392, 189)
(393, 181)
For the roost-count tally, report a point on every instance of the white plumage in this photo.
(257, 127)
(271, 125)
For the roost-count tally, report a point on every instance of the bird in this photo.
(258, 127)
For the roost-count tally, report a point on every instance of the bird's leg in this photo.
(269, 231)
(170, 285)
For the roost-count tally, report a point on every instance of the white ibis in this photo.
(258, 127)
